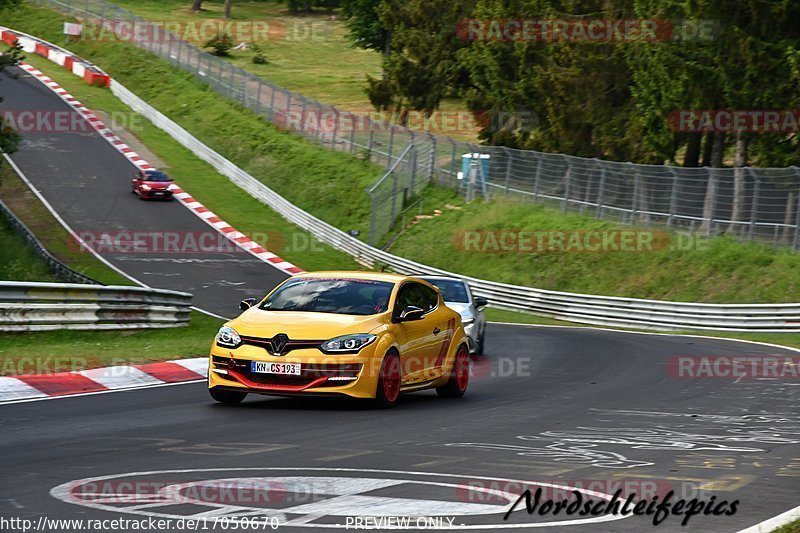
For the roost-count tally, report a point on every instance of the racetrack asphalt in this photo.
(576, 407)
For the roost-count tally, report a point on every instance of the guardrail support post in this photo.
(508, 168)
(453, 159)
(391, 146)
(567, 185)
(371, 140)
(600, 190)
(353, 134)
(755, 201)
(673, 200)
(635, 199)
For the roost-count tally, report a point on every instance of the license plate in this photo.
(287, 369)
(159, 193)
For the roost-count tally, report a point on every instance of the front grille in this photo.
(290, 345)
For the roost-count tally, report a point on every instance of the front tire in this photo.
(228, 397)
(391, 376)
(480, 343)
(456, 386)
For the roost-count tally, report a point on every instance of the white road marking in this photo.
(339, 505)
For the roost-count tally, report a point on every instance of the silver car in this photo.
(458, 297)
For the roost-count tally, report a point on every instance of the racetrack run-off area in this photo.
(546, 406)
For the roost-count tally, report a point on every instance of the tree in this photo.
(364, 25)
(197, 5)
(228, 9)
(421, 68)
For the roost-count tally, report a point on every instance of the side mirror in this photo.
(247, 303)
(411, 313)
(481, 302)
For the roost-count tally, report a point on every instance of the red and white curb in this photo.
(112, 378)
(90, 73)
(205, 214)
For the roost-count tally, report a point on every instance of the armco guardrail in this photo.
(583, 308)
(47, 306)
(58, 269)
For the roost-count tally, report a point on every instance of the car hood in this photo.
(256, 322)
(460, 308)
(158, 184)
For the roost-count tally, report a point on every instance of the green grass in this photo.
(793, 527)
(308, 53)
(18, 262)
(18, 197)
(718, 270)
(66, 350)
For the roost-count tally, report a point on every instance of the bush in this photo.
(259, 58)
(220, 45)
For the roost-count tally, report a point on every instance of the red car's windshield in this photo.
(156, 176)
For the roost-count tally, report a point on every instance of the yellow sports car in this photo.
(357, 334)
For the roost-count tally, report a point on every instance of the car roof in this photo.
(447, 278)
(346, 274)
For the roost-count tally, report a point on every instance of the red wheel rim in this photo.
(391, 378)
(462, 369)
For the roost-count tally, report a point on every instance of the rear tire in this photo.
(456, 386)
(228, 397)
(389, 381)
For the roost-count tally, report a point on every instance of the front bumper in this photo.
(321, 374)
(471, 331)
(156, 195)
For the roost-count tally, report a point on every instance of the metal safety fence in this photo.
(750, 203)
(57, 268)
(48, 306)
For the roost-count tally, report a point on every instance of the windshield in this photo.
(452, 290)
(339, 296)
(155, 176)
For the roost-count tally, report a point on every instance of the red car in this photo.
(152, 184)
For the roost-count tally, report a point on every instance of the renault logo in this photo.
(279, 342)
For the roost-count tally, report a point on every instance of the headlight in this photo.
(467, 322)
(228, 337)
(146, 187)
(347, 343)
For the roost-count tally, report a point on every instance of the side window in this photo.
(431, 298)
(403, 299)
(416, 295)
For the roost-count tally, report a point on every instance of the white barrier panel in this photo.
(47, 306)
